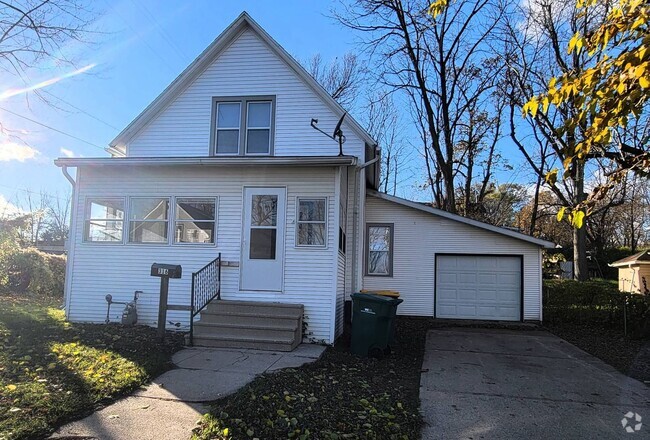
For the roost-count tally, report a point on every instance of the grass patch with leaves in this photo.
(52, 371)
(340, 396)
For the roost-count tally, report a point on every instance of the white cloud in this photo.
(67, 153)
(13, 151)
(8, 209)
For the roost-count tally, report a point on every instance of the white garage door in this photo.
(478, 287)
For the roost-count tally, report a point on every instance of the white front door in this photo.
(263, 239)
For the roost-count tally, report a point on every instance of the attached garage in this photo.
(478, 287)
(447, 266)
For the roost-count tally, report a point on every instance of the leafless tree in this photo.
(444, 67)
(383, 122)
(35, 30)
(342, 78)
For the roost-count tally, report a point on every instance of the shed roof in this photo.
(642, 257)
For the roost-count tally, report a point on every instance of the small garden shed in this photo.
(634, 273)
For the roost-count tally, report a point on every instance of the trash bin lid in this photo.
(375, 298)
(391, 293)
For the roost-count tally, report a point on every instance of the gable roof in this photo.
(642, 257)
(459, 218)
(202, 62)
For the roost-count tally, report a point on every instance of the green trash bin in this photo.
(373, 319)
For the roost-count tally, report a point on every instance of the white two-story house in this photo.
(225, 163)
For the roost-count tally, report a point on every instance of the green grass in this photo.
(52, 371)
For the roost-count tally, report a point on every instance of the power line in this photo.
(152, 19)
(53, 129)
(82, 110)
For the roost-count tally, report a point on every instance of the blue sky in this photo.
(145, 44)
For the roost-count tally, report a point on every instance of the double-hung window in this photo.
(148, 220)
(312, 224)
(195, 218)
(379, 250)
(243, 126)
(104, 220)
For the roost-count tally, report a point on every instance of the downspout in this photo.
(70, 243)
(355, 220)
(67, 175)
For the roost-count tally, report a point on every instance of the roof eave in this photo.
(465, 220)
(208, 161)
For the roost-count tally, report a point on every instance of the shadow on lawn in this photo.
(53, 371)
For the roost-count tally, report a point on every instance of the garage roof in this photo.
(461, 219)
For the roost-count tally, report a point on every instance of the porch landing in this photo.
(249, 325)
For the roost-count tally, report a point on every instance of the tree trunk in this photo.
(580, 268)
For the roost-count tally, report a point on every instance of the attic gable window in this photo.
(243, 126)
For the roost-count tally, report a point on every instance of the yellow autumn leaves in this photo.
(607, 94)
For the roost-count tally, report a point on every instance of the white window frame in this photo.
(391, 250)
(243, 102)
(298, 222)
(174, 220)
(87, 219)
(217, 128)
(269, 128)
(130, 220)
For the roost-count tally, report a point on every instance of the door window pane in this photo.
(263, 243)
(264, 210)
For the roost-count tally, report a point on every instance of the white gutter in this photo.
(355, 220)
(208, 161)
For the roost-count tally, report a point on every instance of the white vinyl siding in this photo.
(248, 67)
(419, 236)
(309, 277)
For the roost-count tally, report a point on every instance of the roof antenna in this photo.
(337, 135)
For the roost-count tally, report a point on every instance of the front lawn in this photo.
(52, 371)
(340, 396)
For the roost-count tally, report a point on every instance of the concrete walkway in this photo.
(171, 405)
(498, 384)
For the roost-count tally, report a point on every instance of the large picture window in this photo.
(243, 126)
(104, 220)
(148, 220)
(312, 225)
(379, 250)
(195, 219)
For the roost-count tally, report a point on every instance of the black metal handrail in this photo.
(206, 286)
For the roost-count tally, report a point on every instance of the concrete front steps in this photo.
(249, 324)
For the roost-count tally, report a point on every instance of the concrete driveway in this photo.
(502, 384)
